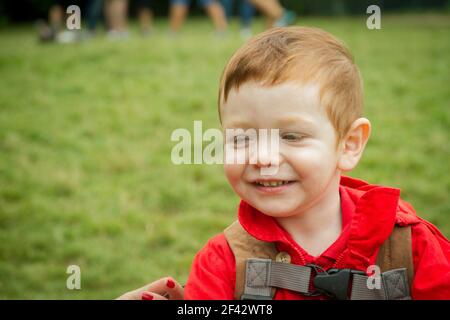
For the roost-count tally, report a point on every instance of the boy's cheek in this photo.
(314, 168)
(234, 173)
(306, 160)
(313, 158)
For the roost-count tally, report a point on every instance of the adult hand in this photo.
(162, 289)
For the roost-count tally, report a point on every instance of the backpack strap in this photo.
(396, 252)
(396, 267)
(244, 247)
(394, 256)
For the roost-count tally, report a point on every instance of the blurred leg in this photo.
(145, 19)
(246, 13)
(108, 14)
(122, 8)
(56, 17)
(272, 9)
(94, 11)
(228, 7)
(116, 14)
(178, 13)
(217, 15)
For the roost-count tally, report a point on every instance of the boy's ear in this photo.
(353, 144)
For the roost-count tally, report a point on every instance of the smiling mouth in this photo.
(273, 184)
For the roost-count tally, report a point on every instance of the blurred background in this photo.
(86, 117)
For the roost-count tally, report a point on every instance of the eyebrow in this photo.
(285, 121)
(240, 124)
(294, 120)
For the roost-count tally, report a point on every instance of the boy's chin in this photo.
(276, 210)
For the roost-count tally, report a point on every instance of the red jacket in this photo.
(369, 213)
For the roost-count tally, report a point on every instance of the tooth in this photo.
(272, 183)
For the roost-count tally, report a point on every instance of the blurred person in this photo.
(116, 13)
(180, 8)
(48, 31)
(54, 30)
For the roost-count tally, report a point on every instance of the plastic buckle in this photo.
(335, 282)
(318, 270)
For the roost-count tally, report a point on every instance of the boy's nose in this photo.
(268, 163)
(267, 158)
(267, 149)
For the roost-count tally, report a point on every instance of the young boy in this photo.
(306, 231)
(304, 82)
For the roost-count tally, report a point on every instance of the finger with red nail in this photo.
(163, 289)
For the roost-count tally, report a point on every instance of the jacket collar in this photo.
(374, 217)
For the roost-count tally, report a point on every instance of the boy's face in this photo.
(307, 157)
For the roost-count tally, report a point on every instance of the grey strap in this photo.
(393, 286)
(263, 274)
(290, 276)
(257, 274)
(360, 291)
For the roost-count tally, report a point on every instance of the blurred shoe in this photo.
(69, 36)
(286, 19)
(45, 33)
(117, 35)
(246, 33)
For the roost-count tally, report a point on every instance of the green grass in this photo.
(85, 170)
